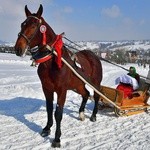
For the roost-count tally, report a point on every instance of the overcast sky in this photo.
(103, 20)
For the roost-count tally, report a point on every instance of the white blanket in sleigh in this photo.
(128, 80)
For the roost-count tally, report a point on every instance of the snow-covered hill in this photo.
(3, 43)
(23, 114)
(125, 45)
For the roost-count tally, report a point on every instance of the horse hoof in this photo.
(55, 144)
(93, 119)
(45, 133)
(81, 116)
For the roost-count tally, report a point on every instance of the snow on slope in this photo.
(23, 114)
(138, 45)
(113, 45)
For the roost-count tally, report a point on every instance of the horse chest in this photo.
(52, 77)
(44, 73)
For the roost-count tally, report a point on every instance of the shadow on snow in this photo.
(19, 107)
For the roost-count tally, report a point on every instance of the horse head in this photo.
(32, 31)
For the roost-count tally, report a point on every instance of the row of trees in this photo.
(122, 56)
(119, 56)
(7, 49)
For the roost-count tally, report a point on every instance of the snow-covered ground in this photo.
(23, 114)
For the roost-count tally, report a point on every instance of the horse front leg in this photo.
(49, 108)
(58, 117)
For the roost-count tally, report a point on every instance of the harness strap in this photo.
(40, 21)
(24, 36)
(100, 57)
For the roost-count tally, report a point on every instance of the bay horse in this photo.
(55, 78)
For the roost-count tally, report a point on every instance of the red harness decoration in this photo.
(43, 31)
(58, 44)
(43, 59)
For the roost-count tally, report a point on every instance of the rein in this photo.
(100, 57)
(29, 39)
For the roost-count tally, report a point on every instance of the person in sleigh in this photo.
(128, 83)
(132, 73)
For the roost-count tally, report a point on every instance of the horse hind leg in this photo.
(85, 94)
(81, 110)
(95, 110)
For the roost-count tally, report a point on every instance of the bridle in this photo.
(29, 39)
(44, 52)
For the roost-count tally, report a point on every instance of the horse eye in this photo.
(23, 24)
(33, 26)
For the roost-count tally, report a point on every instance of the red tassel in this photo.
(43, 31)
(44, 38)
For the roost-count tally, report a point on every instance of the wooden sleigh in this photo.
(128, 106)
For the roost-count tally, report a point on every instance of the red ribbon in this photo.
(58, 44)
(43, 31)
(44, 38)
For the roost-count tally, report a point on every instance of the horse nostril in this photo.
(18, 51)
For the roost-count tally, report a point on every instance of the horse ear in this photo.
(40, 11)
(28, 13)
